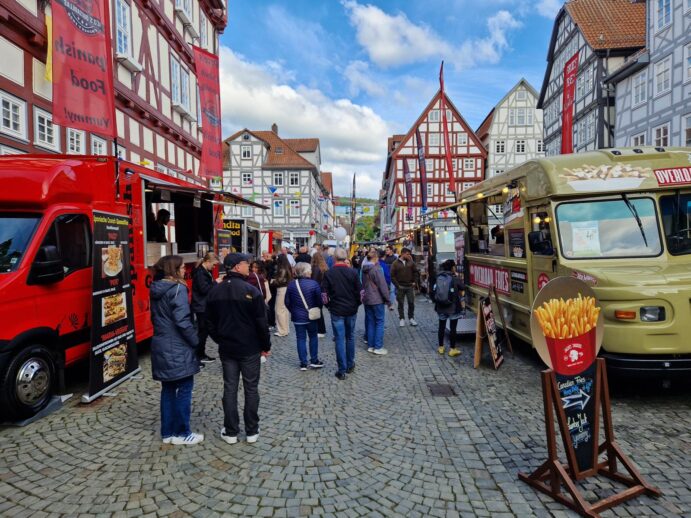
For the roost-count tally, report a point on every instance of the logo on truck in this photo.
(487, 276)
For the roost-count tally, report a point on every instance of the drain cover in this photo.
(440, 390)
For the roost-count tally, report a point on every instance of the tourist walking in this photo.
(448, 294)
(174, 359)
(303, 300)
(303, 256)
(319, 268)
(257, 278)
(284, 274)
(403, 276)
(375, 298)
(236, 316)
(202, 282)
(342, 290)
(389, 258)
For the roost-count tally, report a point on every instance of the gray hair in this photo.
(340, 254)
(303, 270)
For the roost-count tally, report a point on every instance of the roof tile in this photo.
(610, 24)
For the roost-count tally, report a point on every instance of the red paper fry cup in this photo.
(572, 355)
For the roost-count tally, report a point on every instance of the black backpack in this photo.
(444, 291)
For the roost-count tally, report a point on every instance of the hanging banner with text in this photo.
(408, 188)
(113, 347)
(82, 67)
(570, 72)
(423, 170)
(206, 64)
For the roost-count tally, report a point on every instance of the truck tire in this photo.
(28, 383)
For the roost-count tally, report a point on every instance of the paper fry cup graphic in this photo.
(572, 355)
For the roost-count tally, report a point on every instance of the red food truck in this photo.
(47, 204)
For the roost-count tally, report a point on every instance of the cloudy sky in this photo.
(353, 72)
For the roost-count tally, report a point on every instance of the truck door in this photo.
(542, 248)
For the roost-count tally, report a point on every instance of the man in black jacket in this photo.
(236, 317)
(342, 287)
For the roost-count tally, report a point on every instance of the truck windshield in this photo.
(15, 232)
(676, 221)
(608, 229)
(445, 242)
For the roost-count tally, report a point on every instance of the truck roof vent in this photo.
(616, 152)
(660, 149)
(637, 150)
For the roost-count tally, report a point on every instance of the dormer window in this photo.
(279, 150)
(246, 136)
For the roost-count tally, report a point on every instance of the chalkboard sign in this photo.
(487, 328)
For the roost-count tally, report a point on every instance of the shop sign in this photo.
(487, 276)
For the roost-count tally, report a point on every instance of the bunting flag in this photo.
(445, 126)
(352, 209)
(206, 66)
(423, 171)
(408, 187)
(81, 66)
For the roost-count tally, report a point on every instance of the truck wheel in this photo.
(28, 383)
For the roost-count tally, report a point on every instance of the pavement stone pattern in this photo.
(376, 444)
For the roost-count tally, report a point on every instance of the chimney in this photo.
(274, 128)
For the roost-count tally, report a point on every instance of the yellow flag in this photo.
(49, 54)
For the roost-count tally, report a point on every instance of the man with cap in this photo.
(237, 322)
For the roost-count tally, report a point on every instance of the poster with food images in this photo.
(113, 349)
(567, 329)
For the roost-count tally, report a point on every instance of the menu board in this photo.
(490, 325)
(113, 347)
(516, 243)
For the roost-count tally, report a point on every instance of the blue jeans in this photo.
(176, 405)
(344, 334)
(302, 331)
(392, 292)
(375, 314)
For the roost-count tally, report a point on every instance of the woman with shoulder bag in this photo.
(319, 268)
(304, 301)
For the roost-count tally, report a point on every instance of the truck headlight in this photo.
(652, 314)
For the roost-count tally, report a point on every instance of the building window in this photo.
(278, 208)
(686, 138)
(175, 79)
(584, 83)
(98, 146)
(434, 116)
(521, 95)
(469, 163)
(640, 88)
(540, 146)
(638, 140)
(663, 76)
(180, 84)
(5, 150)
(75, 142)
(664, 13)
(185, 88)
(520, 117)
(246, 211)
(184, 9)
(430, 189)
(434, 139)
(279, 150)
(246, 178)
(498, 172)
(203, 35)
(429, 165)
(500, 146)
(45, 133)
(498, 209)
(467, 185)
(687, 62)
(520, 146)
(13, 117)
(294, 207)
(246, 152)
(294, 179)
(661, 135)
(462, 139)
(278, 178)
(123, 26)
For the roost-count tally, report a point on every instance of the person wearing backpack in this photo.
(375, 297)
(448, 294)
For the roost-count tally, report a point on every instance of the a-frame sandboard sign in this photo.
(486, 328)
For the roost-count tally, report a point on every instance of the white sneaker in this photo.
(193, 438)
(380, 352)
(252, 438)
(401, 323)
(370, 349)
(262, 359)
(412, 322)
(230, 439)
(168, 440)
(321, 335)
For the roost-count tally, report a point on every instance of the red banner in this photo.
(445, 127)
(570, 72)
(206, 64)
(83, 66)
(423, 171)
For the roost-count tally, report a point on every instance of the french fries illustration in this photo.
(569, 318)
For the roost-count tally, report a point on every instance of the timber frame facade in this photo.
(155, 84)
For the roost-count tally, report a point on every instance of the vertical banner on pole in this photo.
(569, 96)
(445, 127)
(113, 355)
(206, 64)
(82, 67)
(423, 171)
(408, 188)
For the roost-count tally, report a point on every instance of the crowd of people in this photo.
(250, 299)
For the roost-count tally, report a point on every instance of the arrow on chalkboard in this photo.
(581, 398)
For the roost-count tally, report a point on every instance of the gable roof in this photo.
(483, 129)
(303, 145)
(328, 182)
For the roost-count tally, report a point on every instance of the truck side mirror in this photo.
(47, 267)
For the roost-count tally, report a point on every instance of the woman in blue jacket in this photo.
(174, 359)
(299, 313)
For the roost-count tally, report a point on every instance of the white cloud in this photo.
(360, 79)
(353, 137)
(393, 40)
(549, 8)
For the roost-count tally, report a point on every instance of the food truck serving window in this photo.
(15, 234)
(676, 220)
(609, 228)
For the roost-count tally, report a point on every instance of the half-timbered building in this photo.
(653, 86)
(468, 158)
(600, 35)
(155, 84)
(284, 174)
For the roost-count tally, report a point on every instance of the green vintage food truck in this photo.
(617, 219)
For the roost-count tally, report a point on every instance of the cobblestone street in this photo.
(376, 444)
